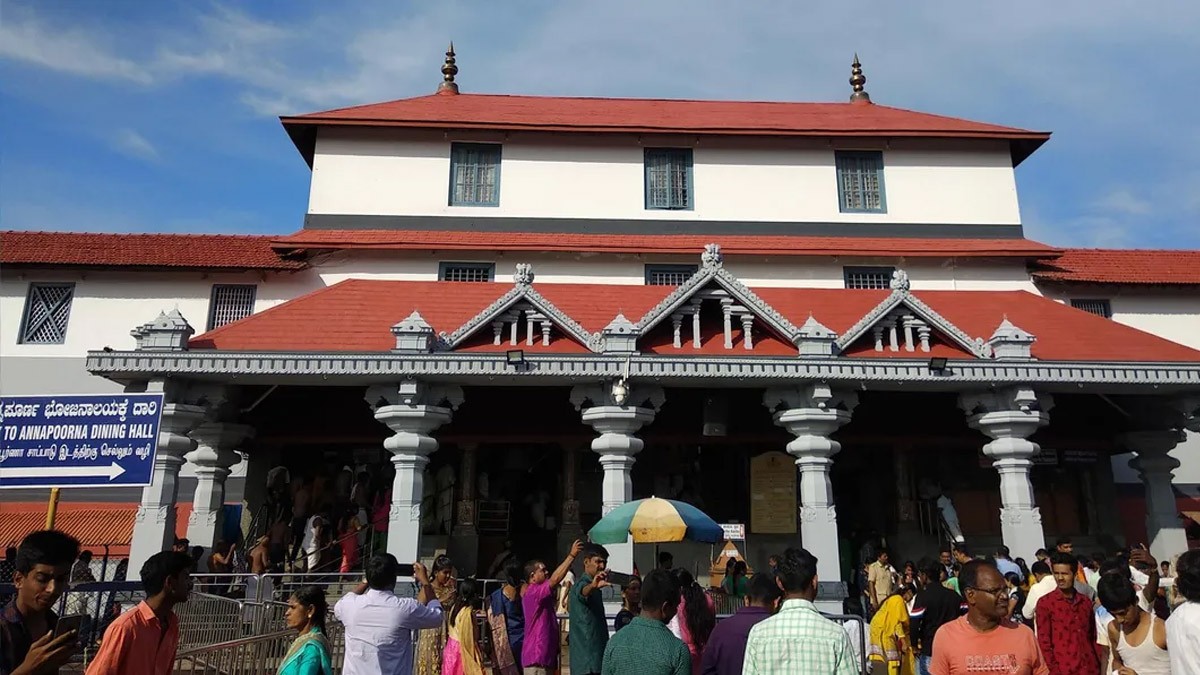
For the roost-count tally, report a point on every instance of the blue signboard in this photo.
(78, 441)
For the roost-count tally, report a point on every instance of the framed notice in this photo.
(773, 494)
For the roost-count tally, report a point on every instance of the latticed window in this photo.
(459, 271)
(668, 275)
(47, 309)
(668, 178)
(474, 174)
(1097, 306)
(868, 277)
(860, 182)
(230, 302)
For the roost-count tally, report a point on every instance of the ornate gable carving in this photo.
(903, 323)
(713, 283)
(522, 316)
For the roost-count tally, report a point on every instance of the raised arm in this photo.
(561, 573)
(1140, 557)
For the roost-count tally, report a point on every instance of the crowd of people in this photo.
(957, 614)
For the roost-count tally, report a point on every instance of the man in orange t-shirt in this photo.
(143, 640)
(982, 642)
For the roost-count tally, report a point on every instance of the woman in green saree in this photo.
(309, 654)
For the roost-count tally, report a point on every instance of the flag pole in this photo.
(52, 508)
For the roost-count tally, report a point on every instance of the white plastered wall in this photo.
(394, 172)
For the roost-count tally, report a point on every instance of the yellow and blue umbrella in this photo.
(654, 521)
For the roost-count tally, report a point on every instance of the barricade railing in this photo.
(858, 630)
(257, 655)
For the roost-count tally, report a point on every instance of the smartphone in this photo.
(619, 578)
(66, 624)
(403, 570)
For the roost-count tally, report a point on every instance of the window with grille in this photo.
(1097, 306)
(868, 277)
(47, 310)
(668, 275)
(668, 178)
(466, 271)
(860, 182)
(229, 303)
(474, 174)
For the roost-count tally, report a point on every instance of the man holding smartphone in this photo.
(589, 631)
(29, 644)
(379, 624)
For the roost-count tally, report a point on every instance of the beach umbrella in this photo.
(655, 521)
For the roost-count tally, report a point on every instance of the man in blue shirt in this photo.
(726, 648)
(1005, 564)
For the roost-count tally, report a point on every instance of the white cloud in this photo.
(1123, 201)
(64, 49)
(133, 144)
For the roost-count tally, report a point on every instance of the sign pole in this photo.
(52, 508)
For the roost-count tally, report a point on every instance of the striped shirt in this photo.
(798, 640)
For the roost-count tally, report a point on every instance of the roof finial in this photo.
(449, 70)
(857, 80)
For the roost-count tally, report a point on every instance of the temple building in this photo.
(518, 312)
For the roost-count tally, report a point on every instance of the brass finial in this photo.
(449, 70)
(857, 80)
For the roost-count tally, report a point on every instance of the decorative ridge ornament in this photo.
(900, 281)
(167, 332)
(857, 82)
(524, 274)
(1009, 342)
(449, 70)
(712, 256)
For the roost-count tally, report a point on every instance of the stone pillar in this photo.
(1156, 468)
(463, 547)
(215, 454)
(412, 410)
(617, 413)
(569, 529)
(1010, 416)
(154, 526)
(811, 413)
(908, 524)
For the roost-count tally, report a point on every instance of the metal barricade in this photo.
(207, 619)
(258, 655)
(858, 630)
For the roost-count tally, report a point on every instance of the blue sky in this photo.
(124, 115)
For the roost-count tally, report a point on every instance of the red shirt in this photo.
(1066, 632)
(136, 643)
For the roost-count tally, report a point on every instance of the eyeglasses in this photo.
(989, 591)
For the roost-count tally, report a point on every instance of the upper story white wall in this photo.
(1172, 314)
(107, 305)
(754, 271)
(394, 172)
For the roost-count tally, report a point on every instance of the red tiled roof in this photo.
(474, 240)
(356, 315)
(666, 116)
(1123, 266)
(97, 249)
(94, 524)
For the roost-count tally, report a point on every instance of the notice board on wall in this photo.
(773, 494)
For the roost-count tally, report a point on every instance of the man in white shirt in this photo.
(1183, 628)
(1043, 583)
(379, 625)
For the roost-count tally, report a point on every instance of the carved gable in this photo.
(902, 323)
(713, 301)
(522, 317)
